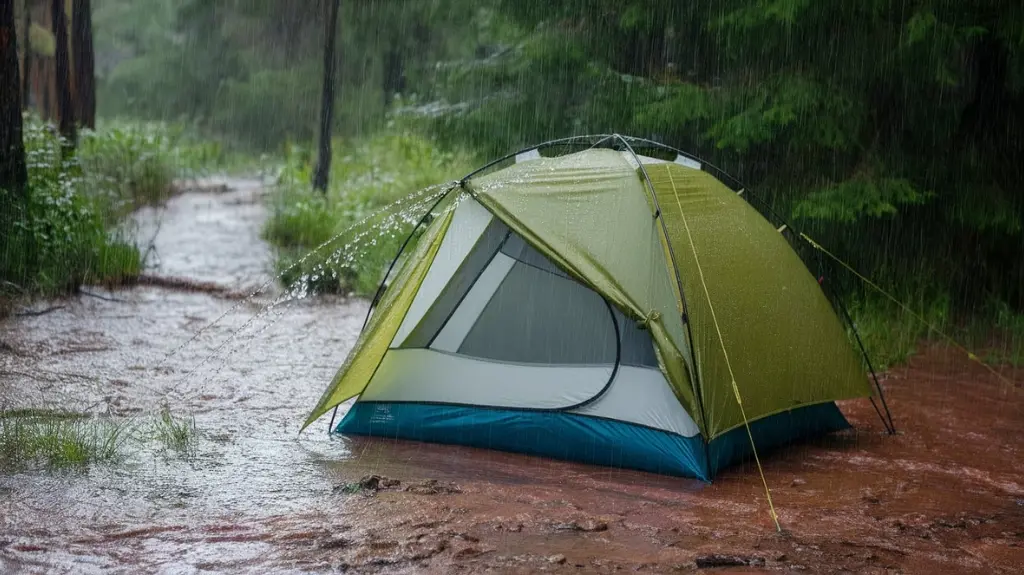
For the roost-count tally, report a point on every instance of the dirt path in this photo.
(946, 495)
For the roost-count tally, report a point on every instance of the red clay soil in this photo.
(945, 495)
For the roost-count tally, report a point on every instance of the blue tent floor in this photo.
(586, 439)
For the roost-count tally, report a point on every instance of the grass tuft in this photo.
(176, 434)
(59, 439)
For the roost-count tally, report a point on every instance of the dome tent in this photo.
(605, 307)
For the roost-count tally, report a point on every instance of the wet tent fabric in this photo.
(785, 343)
(589, 213)
(544, 315)
(365, 356)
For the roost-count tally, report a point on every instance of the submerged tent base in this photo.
(586, 439)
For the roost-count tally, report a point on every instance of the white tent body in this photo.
(496, 325)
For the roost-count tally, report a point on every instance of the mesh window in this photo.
(538, 317)
(541, 315)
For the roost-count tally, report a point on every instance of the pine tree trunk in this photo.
(322, 173)
(84, 63)
(26, 69)
(394, 75)
(65, 109)
(13, 175)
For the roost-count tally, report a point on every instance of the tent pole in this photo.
(890, 426)
(679, 282)
(330, 426)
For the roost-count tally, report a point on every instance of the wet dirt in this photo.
(944, 495)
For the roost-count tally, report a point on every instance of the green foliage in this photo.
(59, 439)
(366, 175)
(1008, 343)
(889, 333)
(62, 240)
(128, 165)
(859, 197)
(174, 433)
(892, 335)
(71, 233)
(62, 439)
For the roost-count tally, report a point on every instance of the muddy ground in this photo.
(945, 495)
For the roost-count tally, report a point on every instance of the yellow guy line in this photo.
(906, 308)
(728, 364)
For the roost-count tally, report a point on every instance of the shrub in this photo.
(385, 170)
(70, 234)
(128, 165)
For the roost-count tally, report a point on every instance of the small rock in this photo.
(714, 561)
(589, 526)
(334, 543)
(466, 553)
(557, 559)
(370, 482)
(798, 482)
(433, 487)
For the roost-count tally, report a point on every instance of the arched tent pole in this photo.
(679, 280)
(592, 141)
(381, 287)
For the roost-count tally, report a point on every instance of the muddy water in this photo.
(946, 495)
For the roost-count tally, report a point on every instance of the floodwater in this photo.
(945, 495)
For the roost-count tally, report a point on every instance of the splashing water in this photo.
(389, 222)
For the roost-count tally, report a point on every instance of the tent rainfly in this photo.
(604, 307)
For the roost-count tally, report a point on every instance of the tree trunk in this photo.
(65, 109)
(322, 172)
(26, 69)
(394, 75)
(84, 63)
(13, 175)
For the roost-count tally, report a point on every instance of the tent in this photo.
(600, 306)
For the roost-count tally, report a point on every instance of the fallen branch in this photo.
(40, 312)
(190, 285)
(98, 296)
